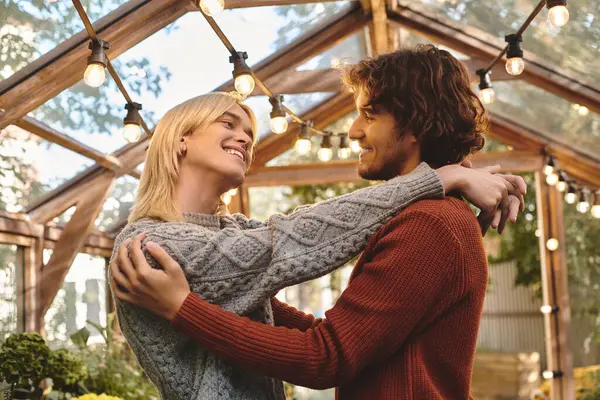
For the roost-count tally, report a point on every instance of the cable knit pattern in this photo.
(239, 264)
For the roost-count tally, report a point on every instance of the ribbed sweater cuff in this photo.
(423, 182)
(192, 315)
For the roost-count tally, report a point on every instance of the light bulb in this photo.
(325, 154)
(232, 192)
(571, 198)
(596, 211)
(226, 198)
(548, 170)
(515, 66)
(94, 75)
(583, 207)
(558, 16)
(303, 146)
(546, 309)
(212, 7)
(244, 84)
(132, 133)
(552, 179)
(561, 186)
(354, 146)
(278, 125)
(583, 111)
(344, 153)
(552, 244)
(487, 95)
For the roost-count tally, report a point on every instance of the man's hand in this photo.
(135, 281)
(498, 196)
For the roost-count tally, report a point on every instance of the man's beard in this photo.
(378, 174)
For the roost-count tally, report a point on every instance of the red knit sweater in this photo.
(405, 328)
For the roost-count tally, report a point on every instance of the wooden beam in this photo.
(66, 195)
(479, 44)
(30, 261)
(63, 66)
(71, 240)
(311, 81)
(323, 114)
(378, 28)
(230, 4)
(47, 133)
(346, 171)
(583, 166)
(555, 288)
(308, 45)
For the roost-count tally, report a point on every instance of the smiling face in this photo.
(223, 149)
(385, 152)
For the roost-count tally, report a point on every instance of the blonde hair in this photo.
(156, 193)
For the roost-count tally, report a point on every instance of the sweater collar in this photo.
(205, 220)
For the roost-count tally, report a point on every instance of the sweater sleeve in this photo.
(400, 290)
(290, 317)
(241, 269)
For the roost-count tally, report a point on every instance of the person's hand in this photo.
(135, 281)
(499, 197)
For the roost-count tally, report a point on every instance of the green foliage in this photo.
(23, 360)
(112, 367)
(66, 370)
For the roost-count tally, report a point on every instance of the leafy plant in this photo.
(66, 370)
(23, 363)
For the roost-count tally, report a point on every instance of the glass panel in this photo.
(118, 205)
(581, 35)
(29, 29)
(8, 290)
(408, 39)
(545, 112)
(298, 103)
(81, 298)
(350, 51)
(31, 167)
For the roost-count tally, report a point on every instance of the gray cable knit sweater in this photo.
(240, 264)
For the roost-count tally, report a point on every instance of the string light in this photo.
(132, 131)
(242, 74)
(552, 179)
(558, 14)
(552, 244)
(596, 206)
(547, 309)
(514, 63)
(212, 7)
(226, 197)
(550, 166)
(355, 146)
(94, 74)
(303, 144)
(561, 186)
(552, 374)
(325, 153)
(344, 151)
(486, 90)
(584, 205)
(571, 196)
(278, 121)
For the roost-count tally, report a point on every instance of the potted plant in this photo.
(23, 361)
(66, 370)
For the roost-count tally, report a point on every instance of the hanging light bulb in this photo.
(94, 74)
(354, 146)
(244, 82)
(596, 206)
(325, 153)
(562, 184)
(514, 63)
(344, 151)
(552, 179)
(547, 309)
(486, 90)
(558, 14)
(584, 205)
(550, 166)
(303, 144)
(226, 197)
(132, 131)
(212, 7)
(552, 244)
(571, 196)
(551, 374)
(278, 121)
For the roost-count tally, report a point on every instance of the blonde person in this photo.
(201, 149)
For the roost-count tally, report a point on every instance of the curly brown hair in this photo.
(429, 93)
